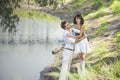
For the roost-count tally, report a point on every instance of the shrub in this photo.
(115, 7)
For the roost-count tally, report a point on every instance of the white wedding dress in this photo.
(83, 45)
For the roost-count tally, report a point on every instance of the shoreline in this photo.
(45, 74)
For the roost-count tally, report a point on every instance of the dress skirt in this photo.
(82, 46)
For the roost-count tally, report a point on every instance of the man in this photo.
(68, 49)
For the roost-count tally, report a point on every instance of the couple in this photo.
(75, 41)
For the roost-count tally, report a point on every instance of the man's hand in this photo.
(70, 36)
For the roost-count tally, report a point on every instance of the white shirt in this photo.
(69, 42)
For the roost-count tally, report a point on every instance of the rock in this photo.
(57, 49)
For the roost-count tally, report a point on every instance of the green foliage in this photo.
(107, 73)
(116, 69)
(117, 40)
(44, 3)
(101, 29)
(99, 4)
(115, 6)
(96, 14)
(95, 69)
(53, 74)
(34, 14)
(8, 18)
(80, 76)
(73, 76)
(99, 52)
(100, 14)
(104, 66)
(78, 3)
(117, 37)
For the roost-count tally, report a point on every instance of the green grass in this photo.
(96, 14)
(79, 76)
(107, 73)
(99, 3)
(80, 3)
(100, 14)
(116, 39)
(93, 71)
(107, 68)
(101, 69)
(116, 69)
(115, 6)
(101, 11)
(99, 52)
(34, 14)
(55, 74)
(100, 29)
(76, 4)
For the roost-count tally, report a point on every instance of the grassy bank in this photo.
(100, 30)
(102, 19)
(116, 39)
(100, 64)
(34, 14)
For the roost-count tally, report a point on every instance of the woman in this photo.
(82, 46)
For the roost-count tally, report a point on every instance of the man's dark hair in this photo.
(63, 24)
(80, 17)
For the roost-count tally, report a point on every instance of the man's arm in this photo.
(72, 40)
(78, 40)
(71, 36)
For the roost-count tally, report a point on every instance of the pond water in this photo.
(28, 51)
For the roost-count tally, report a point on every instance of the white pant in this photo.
(66, 62)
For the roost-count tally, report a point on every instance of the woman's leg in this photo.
(82, 61)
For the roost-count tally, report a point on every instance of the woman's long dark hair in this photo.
(80, 17)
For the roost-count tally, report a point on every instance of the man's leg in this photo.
(66, 62)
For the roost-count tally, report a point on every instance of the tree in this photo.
(44, 3)
(8, 19)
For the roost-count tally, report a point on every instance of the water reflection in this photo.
(24, 62)
(25, 53)
(32, 30)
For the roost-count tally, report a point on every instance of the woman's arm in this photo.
(78, 40)
(81, 32)
(70, 38)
